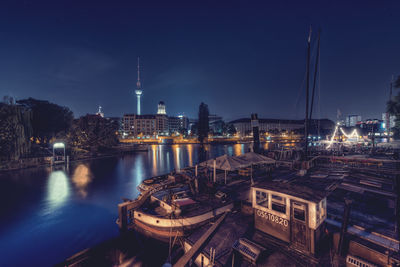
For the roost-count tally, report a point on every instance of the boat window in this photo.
(262, 199)
(299, 214)
(278, 203)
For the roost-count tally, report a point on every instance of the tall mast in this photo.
(307, 93)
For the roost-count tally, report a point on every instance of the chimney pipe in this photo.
(256, 132)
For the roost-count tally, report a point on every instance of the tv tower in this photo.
(138, 90)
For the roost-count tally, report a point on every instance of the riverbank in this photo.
(34, 162)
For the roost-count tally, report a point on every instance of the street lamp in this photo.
(56, 146)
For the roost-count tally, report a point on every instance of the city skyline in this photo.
(239, 59)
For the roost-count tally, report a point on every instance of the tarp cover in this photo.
(237, 162)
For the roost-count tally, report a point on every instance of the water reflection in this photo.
(230, 151)
(81, 178)
(238, 149)
(156, 159)
(176, 149)
(138, 170)
(168, 161)
(190, 154)
(266, 145)
(58, 189)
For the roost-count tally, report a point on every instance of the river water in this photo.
(47, 215)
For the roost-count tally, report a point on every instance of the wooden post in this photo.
(345, 221)
(196, 185)
(225, 176)
(215, 171)
(251, 174)
(195, 171)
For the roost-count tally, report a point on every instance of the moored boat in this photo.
(172, 205)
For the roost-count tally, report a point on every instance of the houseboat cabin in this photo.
(292, 211)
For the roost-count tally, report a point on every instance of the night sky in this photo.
(239, 57)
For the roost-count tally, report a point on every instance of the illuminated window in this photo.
(262, 199)
(278, 203)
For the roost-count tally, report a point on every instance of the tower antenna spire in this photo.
(138, 90)
(138, 84)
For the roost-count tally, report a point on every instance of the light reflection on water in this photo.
(190, 154)
(177, 156)
(238, 149)
(61, 212)
(58, 189)
(81, 179)
(137, 171)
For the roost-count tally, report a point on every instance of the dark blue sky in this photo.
(239, 57)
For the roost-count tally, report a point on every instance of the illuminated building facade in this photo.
(178, 124)
(161, 108)
(162, 124)
(243, 126)
(352, 120)
(145, 125)
(389, 121)
(372, 127)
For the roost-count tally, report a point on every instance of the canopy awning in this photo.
(255, 158)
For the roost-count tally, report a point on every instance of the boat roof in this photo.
(304, 187)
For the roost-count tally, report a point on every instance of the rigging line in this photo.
(315, 75)
(300, 91)
(307, 95)
(319, 95)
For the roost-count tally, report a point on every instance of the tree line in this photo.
(29, 126)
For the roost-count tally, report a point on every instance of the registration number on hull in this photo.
(272, 218)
